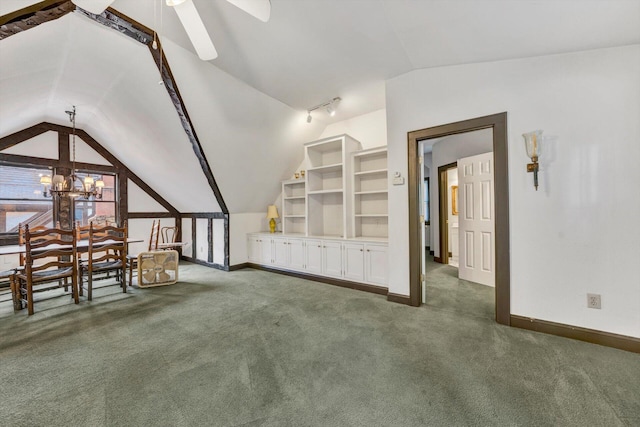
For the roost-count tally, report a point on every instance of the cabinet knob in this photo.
(319, 246)
(360, 250)
(368, 250)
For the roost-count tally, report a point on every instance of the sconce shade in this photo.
(272, 212)
(45, 180)
(532, 143)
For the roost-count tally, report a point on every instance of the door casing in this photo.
(497, 122)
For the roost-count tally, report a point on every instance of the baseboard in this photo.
(622, 342)
(328, 280)
(401, 299)
(239, 266)
(205, 263)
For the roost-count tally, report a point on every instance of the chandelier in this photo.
(72, 185)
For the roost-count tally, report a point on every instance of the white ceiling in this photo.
(249, 105)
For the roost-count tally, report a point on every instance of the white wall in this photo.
(239, 226)
(579, 232)
(370, 129)
(446, 151)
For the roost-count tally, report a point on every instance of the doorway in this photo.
(446, 207)
(498, 124)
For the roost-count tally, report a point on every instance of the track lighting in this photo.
(330, 107)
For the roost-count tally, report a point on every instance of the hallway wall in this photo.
(578, 233)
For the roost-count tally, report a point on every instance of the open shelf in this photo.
(294, 198)
(326, 169)
(338, 190)
(372, 172)
(370, 194)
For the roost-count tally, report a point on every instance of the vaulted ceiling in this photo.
(248, 106)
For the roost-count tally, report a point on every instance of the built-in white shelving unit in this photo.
(334, 218)
(328, 169)
(370, 194)
(294, 206)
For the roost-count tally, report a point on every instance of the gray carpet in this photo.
(251, 348)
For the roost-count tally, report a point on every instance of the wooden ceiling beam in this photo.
(32, 16)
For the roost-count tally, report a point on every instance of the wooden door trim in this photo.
(443, 209)
(497, 122)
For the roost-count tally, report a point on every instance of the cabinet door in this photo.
(254, 250)
(265, 250)
(296, 254)
(280, 252)
(376, 262)
(354, 261)
(313, 256)
(332, 259)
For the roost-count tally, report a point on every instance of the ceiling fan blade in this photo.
(195, 29)
(94, 6)
(260, 9)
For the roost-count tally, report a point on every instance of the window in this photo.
(101, 212)
(21, 199)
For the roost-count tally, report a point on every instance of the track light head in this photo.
(331, 111)
(309, 118)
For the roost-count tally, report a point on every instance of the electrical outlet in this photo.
(593, 301)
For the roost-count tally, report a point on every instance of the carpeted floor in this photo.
(252, 348)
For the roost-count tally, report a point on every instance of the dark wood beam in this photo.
(145, 215)
(129, 27)
(21, 136)
(32, 16)
(118, 164)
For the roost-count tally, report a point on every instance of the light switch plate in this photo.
(398, 180)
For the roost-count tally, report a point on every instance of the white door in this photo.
(354, 261)
(476, 219)
(422, 228)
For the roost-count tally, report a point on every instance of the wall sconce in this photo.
(532, 144)
(272, 214)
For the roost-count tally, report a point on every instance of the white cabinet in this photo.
(313, 256)
(259, 249)
(332, 259)
(280, 251)
(354, 261)
(296, 254)
(376, 264)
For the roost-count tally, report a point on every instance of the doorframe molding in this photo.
(498, 123)
(443, 209)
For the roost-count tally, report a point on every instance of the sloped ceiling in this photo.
(249, 105)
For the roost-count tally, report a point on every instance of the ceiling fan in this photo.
(191, 21)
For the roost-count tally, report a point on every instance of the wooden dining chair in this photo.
(107, 253)
(50, 262)
(169, 234)
(7, 282)
(154, 237)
